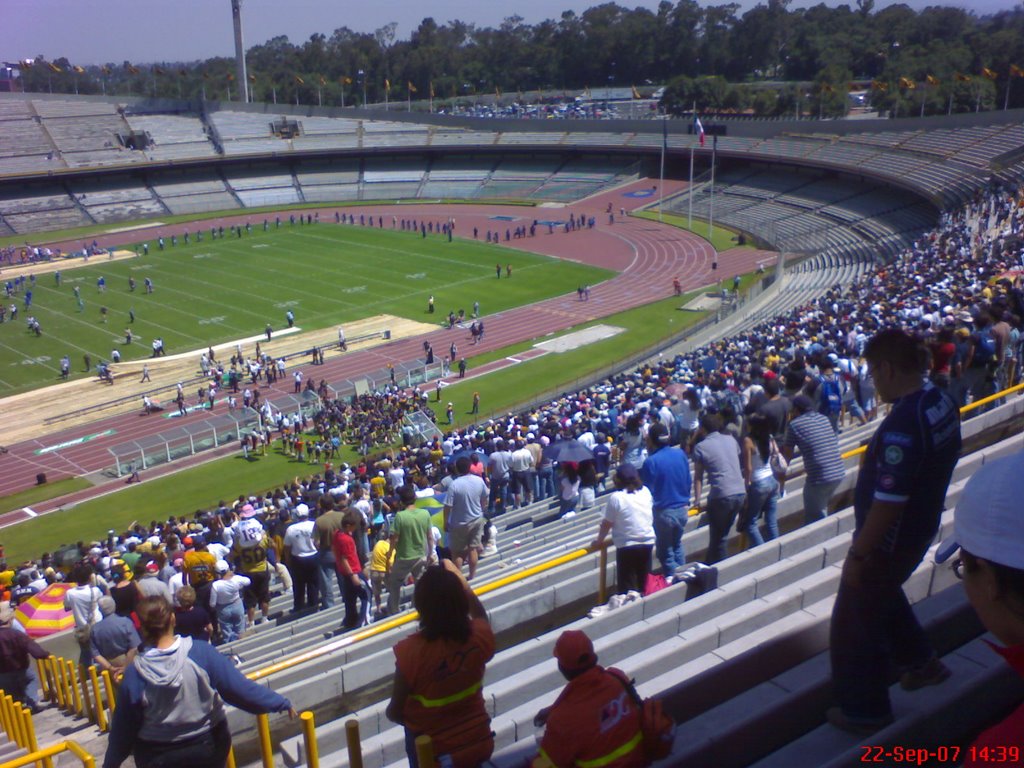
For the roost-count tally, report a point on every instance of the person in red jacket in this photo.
(988, 539)
(594, 720)
(354, 585)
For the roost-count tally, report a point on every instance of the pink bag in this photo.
(655, 583)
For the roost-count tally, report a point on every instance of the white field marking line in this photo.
(30, 512)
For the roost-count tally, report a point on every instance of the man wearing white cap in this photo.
(303, 559)
(988, 539)
(898, 501)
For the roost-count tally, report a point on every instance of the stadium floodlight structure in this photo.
(240, 74)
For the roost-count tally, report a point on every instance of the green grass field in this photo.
(221, 290)
(722, 238)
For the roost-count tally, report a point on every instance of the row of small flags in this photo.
(905, 83)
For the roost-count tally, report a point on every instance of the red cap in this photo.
(574, 651)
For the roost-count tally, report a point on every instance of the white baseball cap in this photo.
(301, 510)
(989, 521)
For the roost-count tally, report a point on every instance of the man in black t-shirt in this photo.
(898, 503)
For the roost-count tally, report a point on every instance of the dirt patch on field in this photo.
(62, 265)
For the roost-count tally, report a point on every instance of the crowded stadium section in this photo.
(719, 484)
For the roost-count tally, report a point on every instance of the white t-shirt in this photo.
(631, 516)
(247, 533)
(79, 599)
(298, 539)
(228, 591)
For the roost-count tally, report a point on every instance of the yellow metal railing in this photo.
(45, 756)
(965, 409)
(409, 616)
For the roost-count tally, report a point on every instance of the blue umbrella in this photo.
(568, 450)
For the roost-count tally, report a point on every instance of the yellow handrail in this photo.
(309, 739)
(64, 694)
(424, 750)
(355, 746)
(45, 754)
(101, 715)
(17, 726)
(76, 708)
(266, 748)
(965, 409)
(408, 617)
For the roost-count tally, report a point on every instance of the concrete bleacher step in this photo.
(980, 691)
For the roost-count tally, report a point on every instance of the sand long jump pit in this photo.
(578, 339)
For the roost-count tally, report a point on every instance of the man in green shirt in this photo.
(411, 545)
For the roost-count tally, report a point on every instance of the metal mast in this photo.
(240, 74)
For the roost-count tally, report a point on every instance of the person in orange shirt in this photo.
(439, 672)
(594, 720)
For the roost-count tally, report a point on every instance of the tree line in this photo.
(769, 60)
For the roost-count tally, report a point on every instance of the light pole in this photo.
(362, 79)
(240, 75)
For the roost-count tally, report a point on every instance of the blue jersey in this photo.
(911, 459)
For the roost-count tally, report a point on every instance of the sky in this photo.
(154, 31)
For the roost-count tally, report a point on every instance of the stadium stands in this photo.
(87, 133)
(173, 137)
(811, 213)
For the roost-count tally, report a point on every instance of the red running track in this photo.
(646, 254)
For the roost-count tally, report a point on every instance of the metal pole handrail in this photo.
(88, 761)
(410, 616)
(966, 409)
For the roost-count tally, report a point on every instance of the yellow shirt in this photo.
(379, 556)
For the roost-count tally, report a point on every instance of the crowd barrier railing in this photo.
(45, 756)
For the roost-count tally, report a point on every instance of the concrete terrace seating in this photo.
(806, 213)
(326, 182)
(565, 191)
(243, 133)
(453, 137)
(86, 133)
(26, 147)
(525, 137)
(116, 201)
(42, 212)
(324, 126)
(380, 133)
(195, 193)
(256, 188)
(173, 136)
(455, 177)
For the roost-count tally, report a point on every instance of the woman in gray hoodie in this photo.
(170, 709)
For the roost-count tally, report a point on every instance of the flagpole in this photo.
(711, 208)
(1006, 99)
(661, 183)
(689, 221)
